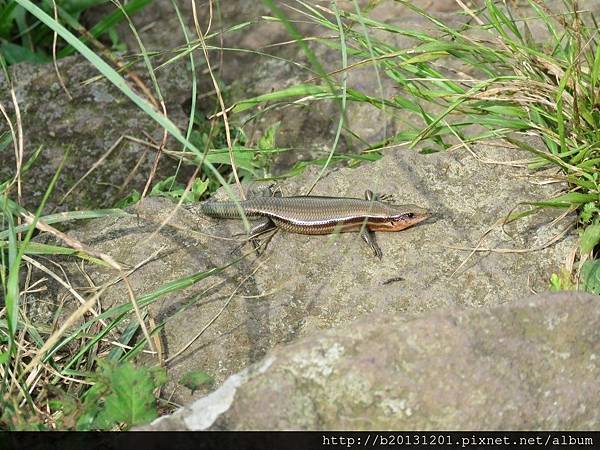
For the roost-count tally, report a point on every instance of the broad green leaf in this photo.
(91, 405)
(199, 187)
(175, 190)
(16, 54)
(131, 199)
(131, 400)
(243, 158)
(589, 238)
(590, 276)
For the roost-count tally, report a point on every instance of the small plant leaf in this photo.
(15, 54)
(267, 141)
(132, 198)
(91, 407)
(159, 375)
(195, 379)
(555, 284)
(590, 276)
(589, 238)
(175, 190)
(561, 281)
(588, 211)
(242, 157)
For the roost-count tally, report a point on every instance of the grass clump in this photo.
(121, 396)
(490, 80)
(23, 38)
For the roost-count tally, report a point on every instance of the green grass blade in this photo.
(36, 248)
(13, 291)
(69, 216)
(300, 90)
(297, 36)
(106, 23)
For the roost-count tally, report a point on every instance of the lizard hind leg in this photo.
(259, 229)
(262, 227)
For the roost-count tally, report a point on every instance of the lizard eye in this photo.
(410, 215)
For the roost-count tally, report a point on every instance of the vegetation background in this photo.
(492, 80)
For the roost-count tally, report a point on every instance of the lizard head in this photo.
(400, 218)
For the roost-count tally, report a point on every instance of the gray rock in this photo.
(88, 125)
(531, 364)
(303, 284)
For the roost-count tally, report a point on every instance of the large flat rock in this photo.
(528, 365)
(303, 284)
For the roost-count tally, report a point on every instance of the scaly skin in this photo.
(322, 215)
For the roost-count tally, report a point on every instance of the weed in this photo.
(510, 87)
(120, 396)
(23, 38)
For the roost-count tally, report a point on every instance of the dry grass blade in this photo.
(100, 161)
(15, 142)
(546, 244)
(54, 338)
(138, 313)
(470, 12)
(158, 154)
(70, 241)
(219, 95)
(134, 269)
(54, 61)
(17, 138)
(62, 282)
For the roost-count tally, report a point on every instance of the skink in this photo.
(321, 215)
